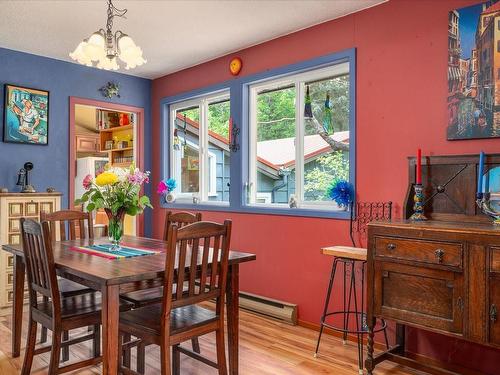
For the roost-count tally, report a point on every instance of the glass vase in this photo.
(115, 228)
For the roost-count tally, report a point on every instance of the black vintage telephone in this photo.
(23, 178)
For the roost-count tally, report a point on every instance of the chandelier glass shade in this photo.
(103, 48)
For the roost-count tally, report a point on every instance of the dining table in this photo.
(115, 276)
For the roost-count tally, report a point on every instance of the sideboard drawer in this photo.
(15, 209)
(9, 297)
(433, 252)
(14, 225)
(10, 261)
(31, 208)
(425, 297)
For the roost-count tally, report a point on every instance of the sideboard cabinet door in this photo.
(494, 307)
(494, 311)
(419, 296)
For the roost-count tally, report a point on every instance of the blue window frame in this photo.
(240, 105)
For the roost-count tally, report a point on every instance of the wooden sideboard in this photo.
(438, 276)
(13, 206)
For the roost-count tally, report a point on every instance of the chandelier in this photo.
(105, 48)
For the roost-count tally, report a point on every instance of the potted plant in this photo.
(118, 192)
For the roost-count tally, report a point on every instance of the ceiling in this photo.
(173, 34)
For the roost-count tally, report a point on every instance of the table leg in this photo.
(110, 329)
(232, 293)
(17, 307)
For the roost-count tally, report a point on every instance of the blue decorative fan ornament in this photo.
(342, 192)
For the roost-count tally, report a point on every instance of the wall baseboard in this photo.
(268, 307)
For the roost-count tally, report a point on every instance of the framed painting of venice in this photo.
(26, 115)
(474, 71)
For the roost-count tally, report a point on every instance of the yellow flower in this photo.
(106, 178)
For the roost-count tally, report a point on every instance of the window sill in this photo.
(253, 209)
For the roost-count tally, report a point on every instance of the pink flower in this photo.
(138, 177)
(87, 182)
(162, 188)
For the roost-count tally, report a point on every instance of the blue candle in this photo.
(480, 175)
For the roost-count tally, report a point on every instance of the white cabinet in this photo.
(13, 206)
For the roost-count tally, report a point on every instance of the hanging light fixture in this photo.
(105, 48)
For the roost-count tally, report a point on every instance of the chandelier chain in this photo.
(104, 47)
(113, 12)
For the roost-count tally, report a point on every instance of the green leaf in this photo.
(132, 211)
(90, 207)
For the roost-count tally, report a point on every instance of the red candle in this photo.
(419, 167)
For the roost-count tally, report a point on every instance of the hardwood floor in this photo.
(266, 348)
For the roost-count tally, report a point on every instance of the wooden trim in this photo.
(139, 111)
(25, 195)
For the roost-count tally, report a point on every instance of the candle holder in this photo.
(489, 203)
(418, 206)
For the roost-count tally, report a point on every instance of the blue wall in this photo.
(63, 80)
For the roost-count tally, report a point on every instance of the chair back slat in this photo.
(180, 219)
(181, 268)
(204, 268)
(69, 219)
(194, 264)
(40, 266)
(62, 229)
(202, 251)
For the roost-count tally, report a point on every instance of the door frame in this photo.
(139, 153)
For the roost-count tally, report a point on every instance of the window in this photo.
(200, 158)
(299, 138)
(281, 160)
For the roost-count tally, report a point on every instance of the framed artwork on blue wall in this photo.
(26, 115)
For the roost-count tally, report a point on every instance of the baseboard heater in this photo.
(282, 311)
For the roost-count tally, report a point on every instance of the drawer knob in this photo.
(439, 255)
(493, 313)
(391, 246)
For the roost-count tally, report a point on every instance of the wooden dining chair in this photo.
(201, 251)
(72, 225)
(54, 312)
(154, 295)
(180, 219)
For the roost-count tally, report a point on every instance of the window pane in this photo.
(186, 147)
(275, 116)
(323, 164)
(218, 149)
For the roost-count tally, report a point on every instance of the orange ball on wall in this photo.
(235, 66)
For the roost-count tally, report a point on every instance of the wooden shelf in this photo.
(117, 128)
(118, 149)
(127, 164)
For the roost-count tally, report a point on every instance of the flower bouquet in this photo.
(118, 192)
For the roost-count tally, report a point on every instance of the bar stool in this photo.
(349, 257)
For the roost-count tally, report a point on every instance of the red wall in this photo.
(401, 105)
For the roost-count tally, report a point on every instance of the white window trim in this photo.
(208, 186)
(212, 165)
(298, 80)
